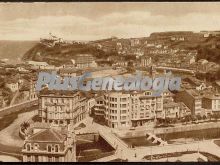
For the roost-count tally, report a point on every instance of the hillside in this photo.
(61, 54)
(14, 50)
(208, 48)
(169, 34)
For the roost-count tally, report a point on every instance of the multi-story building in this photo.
(85, 60)
(33, 92)
(124, 109)
(117, 109)
(121, 63)
(191, 99)
(167, 97)
(62, 108)
(50, 145)
(177, 38)
(172, 110)
(99, 107)
(211, 102)
(37, 64)
(91, 104)
(145, 108)
(146, 61)
(134, 42)
(12, 85)
(70, 72)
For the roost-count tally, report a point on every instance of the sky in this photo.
(98, 20)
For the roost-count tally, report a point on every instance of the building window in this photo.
(123, 99)
(49, 148)
(49, 158)
(123, 105)
(28, 147)
(28, 158)
(36, 158)
(56, 148)
(35, 146)
(56, 159)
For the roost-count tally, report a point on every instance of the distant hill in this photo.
(208, 48)
(62, 54)
(14, 50)
(171, 33)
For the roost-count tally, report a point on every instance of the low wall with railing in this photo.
(180, 128)
(18, 107)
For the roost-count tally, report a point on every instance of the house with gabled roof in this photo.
(50, 145)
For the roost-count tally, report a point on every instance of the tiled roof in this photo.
(47, 135)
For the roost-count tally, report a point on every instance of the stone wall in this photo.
(181, 128)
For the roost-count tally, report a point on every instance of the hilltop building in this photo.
(12, 84)
(146, 61)
(84, 61)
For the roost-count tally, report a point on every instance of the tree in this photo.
(218, 115)
(183, 119)
(188, 118)
(168, 120)
(199, 117)
(24, 126)
(194, 118)
(174, 120)
(215, 116)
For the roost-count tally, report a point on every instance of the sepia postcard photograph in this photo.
(110, 82)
